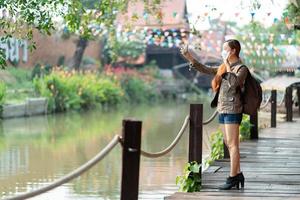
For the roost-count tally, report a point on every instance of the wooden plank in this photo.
(271, 166)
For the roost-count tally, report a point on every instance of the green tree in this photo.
(292, 14)
(21, 17)
(292, 11)
(89, 19)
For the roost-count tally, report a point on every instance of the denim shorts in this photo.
(225, 118)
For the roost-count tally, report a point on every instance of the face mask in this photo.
(224, 54)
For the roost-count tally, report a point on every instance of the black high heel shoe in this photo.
(234, 181)
(241, 179)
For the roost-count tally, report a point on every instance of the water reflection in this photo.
(35, 151)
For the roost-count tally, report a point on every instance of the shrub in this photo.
(71, 90)
(217, 147)
(138, 85)
(61, 60)
(216, 140)
(190, 181)
(137, 90)
(245, 128)
(41, 70)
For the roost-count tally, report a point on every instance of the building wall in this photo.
(50, 48)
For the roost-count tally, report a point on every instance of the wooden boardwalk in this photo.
(271, 166)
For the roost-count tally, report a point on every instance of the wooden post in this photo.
(195, 138)
(273, 108)
(226, 151)
(131, 159)
(289, 104)
(254, 126)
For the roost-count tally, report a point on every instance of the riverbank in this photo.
(69, 90)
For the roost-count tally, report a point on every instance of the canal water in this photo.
(36, 151)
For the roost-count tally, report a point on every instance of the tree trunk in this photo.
(80, 47)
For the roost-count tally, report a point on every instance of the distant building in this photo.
(162, 36)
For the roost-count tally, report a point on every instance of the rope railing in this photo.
(177, 138)
(294, 98)
(172, 145)
(281, 101)
(279, 104)
(77, 172)
(266, 103)
(211, 118)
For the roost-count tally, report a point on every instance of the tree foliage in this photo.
(293, 12)
(86, 18)
(20, 17)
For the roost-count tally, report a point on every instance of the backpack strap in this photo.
(240, 66)
(248, 74)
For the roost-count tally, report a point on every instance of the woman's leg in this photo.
(232, 137)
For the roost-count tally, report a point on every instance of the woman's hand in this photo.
(186, 54)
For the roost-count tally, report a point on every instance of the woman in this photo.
(228, 82)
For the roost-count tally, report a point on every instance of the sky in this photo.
(233, 10)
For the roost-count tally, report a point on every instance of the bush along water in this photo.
(138, 85)
(216, 140)
(70, 90)
(190, 180)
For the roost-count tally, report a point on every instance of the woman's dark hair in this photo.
(234, 44)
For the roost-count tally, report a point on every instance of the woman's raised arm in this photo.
(197, 65)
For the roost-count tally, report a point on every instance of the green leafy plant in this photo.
(190, 180)
(217, 147)
(216, 140)
(137, 90)
(72, 91)
(40, 70)
(293, 12)
(245, 128)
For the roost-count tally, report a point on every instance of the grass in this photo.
(19, 85)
